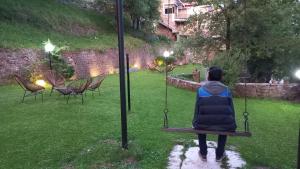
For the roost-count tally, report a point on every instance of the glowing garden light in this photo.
(41, 83)
(49, 47)
(166, 54)
(297, 74)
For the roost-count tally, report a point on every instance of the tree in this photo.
(142, 12)
(267, 31)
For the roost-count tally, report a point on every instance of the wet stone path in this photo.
(183, 157)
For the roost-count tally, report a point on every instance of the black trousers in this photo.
(221, 145)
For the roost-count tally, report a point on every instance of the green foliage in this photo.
(267, 30)
(61, 66)
(58, 63)
(143, 13)
(27, 23)
(162, 61)
(233, 63)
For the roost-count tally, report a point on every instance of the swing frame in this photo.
(194, 131)
(245, 133)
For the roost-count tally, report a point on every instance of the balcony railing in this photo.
(181, 15)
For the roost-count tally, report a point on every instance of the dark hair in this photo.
(215, 73)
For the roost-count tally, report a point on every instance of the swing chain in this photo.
(246, 121)
(245, 113)
(166, 123)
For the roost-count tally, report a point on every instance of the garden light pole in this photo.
(128, 82)
(297, 75)
(166, 125)
(49, 47)
(119, 9)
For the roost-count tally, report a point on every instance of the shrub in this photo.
(233, 64)
(161, 61)
(58, 62)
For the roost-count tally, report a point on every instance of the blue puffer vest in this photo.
(214, 108)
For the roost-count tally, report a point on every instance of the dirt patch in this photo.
(102, 166)
(78, 30)
(130, 160)
(69, 166)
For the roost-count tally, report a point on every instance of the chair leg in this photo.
(51, 91)
(68, 98)
(81, 98)
(99, 91)
(93, 93)
(23, 96)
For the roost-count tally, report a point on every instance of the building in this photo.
(174, 16)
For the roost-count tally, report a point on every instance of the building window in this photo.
(169, 9)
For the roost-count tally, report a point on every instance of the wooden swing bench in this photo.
(194, 131)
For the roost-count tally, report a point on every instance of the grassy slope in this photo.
(54, 134)
(27, 23)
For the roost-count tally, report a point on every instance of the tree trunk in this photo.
(138, 23)
(228, 33)
(132, 22)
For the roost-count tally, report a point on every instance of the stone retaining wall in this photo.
(183, 84)
(86, 62)
(93, 63)
(257, 90)
(16, 61)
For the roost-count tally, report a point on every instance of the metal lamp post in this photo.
(297, 75)
(49, 47)
(119, 10)
(166, 55)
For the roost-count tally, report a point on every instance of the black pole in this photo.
(119, 4)
(299, 149)
(166, 110)
(128, 82)
(50, 61)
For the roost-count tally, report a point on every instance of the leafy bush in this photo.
(58, 63)
(233, 64)
(161, 61)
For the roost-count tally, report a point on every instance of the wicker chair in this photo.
(30, 89)
(80, 89)
(65, 91)
(55, 79)
(96, 83)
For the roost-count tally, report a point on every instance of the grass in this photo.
(54, 134)
(27, 23)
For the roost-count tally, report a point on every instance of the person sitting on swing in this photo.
(214, 111)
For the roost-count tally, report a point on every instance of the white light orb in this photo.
(166, 54)
(49, 47)
(297, 74)
(171, 53)
(41, 83)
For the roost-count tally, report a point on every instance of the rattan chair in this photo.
(30, 89)
(55, 79)
(96, 83)
(79, 90)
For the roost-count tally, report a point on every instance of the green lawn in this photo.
(27, 23)
(54, 134)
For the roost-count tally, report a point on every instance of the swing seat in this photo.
(192, 130)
